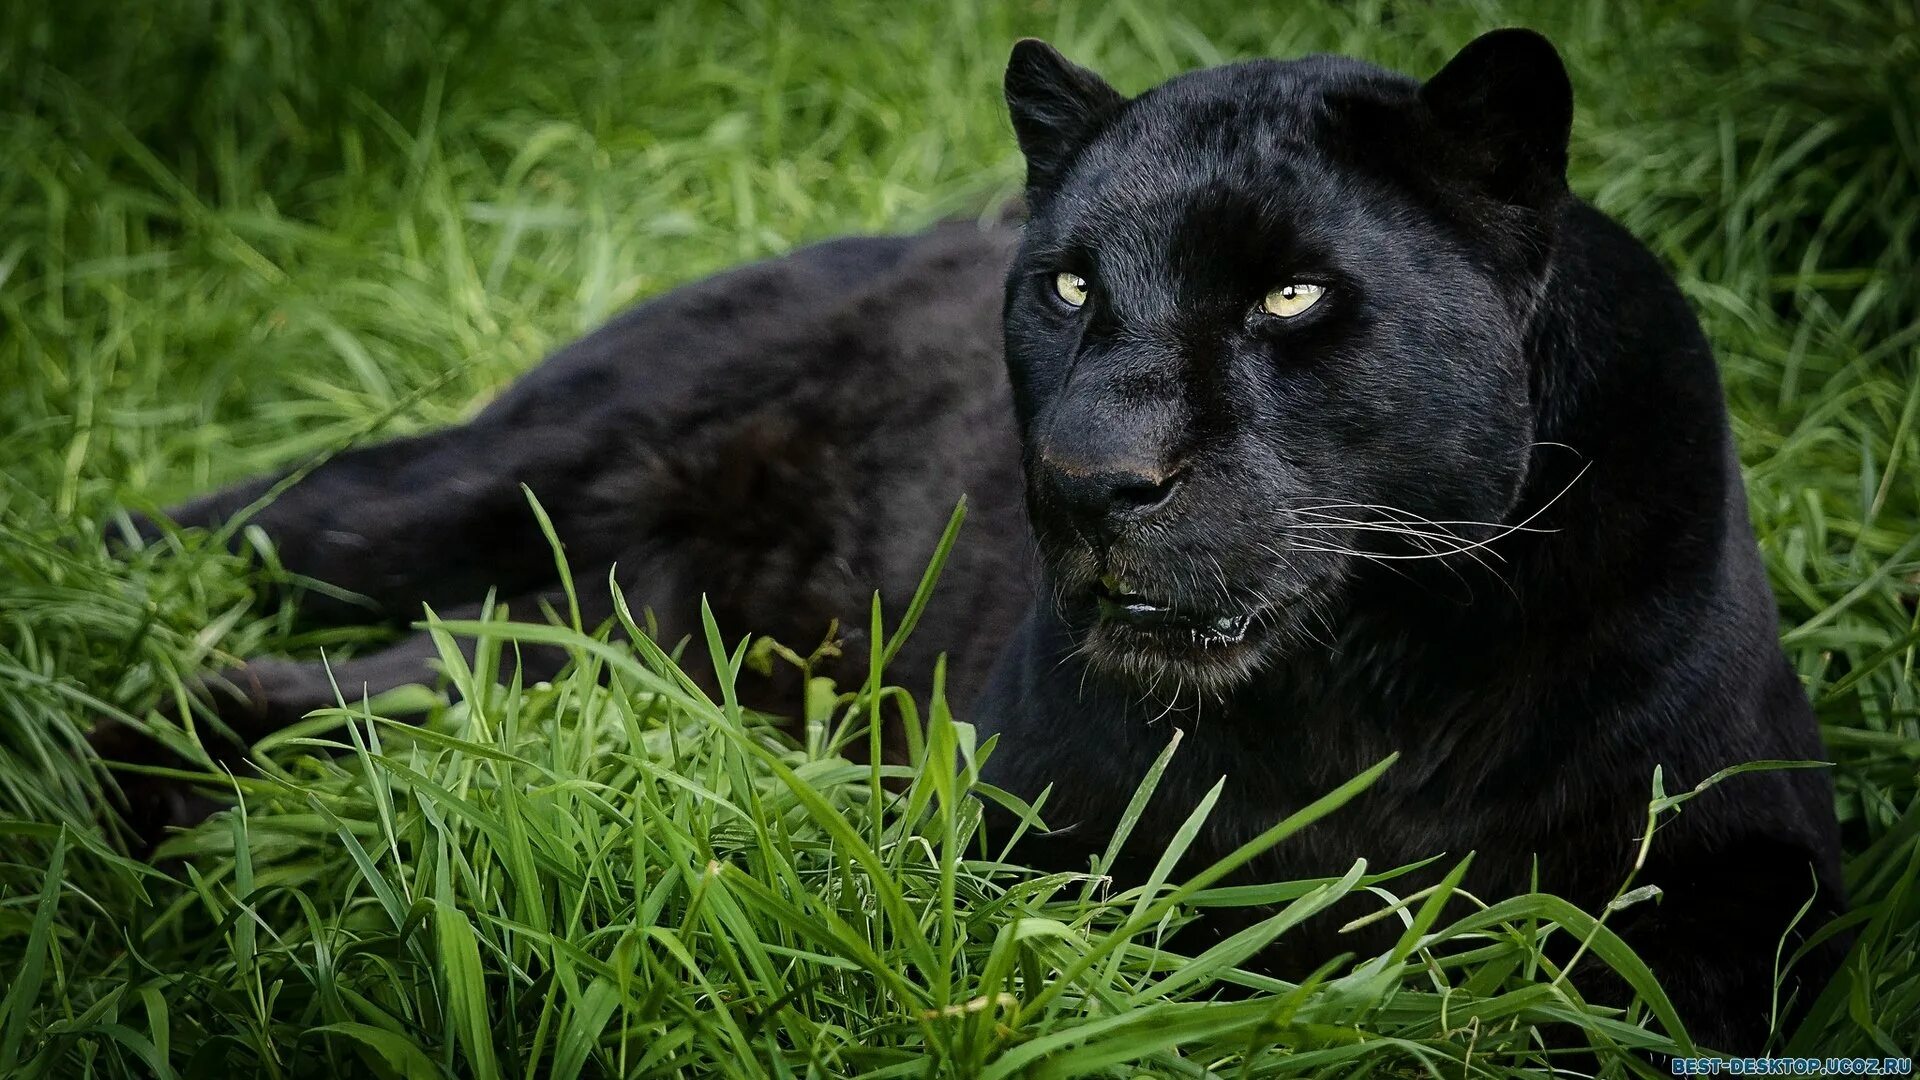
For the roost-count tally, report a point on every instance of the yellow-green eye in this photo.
(1290, 300)
(1071, 287)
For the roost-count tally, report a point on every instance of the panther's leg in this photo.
(263, 695)
(437, 518)
(1716, 955)
(442, 517)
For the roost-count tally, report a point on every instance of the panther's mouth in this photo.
(1120, 605)
(1177, 645)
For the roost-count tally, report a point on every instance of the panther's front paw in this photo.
(149, 806)
(246, 703)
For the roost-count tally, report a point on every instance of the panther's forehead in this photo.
(1236, 117)
(1165, 242)
(1222, 159)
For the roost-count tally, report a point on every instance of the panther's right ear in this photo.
(1057, 107)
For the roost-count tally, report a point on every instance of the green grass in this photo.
(237, 235)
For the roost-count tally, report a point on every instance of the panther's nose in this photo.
(1105, 497)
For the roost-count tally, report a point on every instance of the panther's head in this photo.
(1266, 335)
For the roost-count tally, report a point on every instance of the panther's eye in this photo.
(1290, 300)
(1071, 287)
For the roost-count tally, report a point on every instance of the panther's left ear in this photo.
(1057, 107)
(1505, 102)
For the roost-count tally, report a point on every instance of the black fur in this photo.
(1478, 504)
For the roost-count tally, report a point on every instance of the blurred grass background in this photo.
(233, 235)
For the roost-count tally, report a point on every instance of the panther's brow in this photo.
(1055, 251)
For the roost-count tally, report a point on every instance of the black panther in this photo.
(1306, 411)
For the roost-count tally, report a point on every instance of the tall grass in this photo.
(232, 235)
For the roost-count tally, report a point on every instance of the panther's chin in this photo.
(1167, 650)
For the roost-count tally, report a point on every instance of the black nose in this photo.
(1105, 497)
